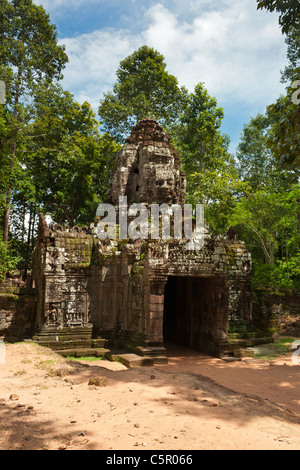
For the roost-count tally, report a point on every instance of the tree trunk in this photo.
(6, 216)
(12, 161)
(23, 222)
(29, 227)
(33, 226)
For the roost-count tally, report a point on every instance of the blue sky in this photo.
(235, 49)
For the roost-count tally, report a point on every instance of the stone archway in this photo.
(195, 312)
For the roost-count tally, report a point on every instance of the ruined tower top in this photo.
(147, 168)
(148, 130)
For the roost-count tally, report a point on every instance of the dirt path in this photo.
(276, 380)
(194, 402)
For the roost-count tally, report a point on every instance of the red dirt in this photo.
(195, 402)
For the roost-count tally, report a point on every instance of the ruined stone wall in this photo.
(85, 282)
(17, 314)
(118, 287)
(278, 312)
(59, 269)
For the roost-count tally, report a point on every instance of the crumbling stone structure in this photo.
(147, 169)
(140, 294)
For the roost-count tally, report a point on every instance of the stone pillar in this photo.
(156, 311)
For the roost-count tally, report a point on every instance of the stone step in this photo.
(239, 347)
(115, 355)
(130, 359)
(65, 334)
(84, 352)
(244, 353)
(160, 360)
(133, 360)
(73, 344)
(151, 351)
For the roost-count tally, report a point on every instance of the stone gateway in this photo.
(139, 294)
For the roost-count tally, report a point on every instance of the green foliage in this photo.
(267, 216)
(284, 140)
(29, 55)
(271, 232)
(289, 12)
(29, 45)
(66, 143)
(8, 260)
(255, 162)
(283, 274)
(292, 70)
(144, 89)
(212, 177)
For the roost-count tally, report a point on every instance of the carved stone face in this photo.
(147, 168)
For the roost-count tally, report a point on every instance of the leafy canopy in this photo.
(29, 55)
(143, 89)
(284, 141)
(69, 160)
(289, 12)
(29, 44)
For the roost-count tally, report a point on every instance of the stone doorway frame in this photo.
(220, 288)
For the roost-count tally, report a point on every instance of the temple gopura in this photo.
(140, 295)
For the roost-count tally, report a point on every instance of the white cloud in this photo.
(51, 5)
(236, 50)
(93, 61)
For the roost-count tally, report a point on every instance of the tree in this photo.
(292, 70)
(269, 220)
(212, 178)
(4, 167)
(29, 54)
(289, 12)
(284, 139)
(254, 158)
(257, 164)
(8, 261)
(68, 160)
(143, 89)
(268, 215)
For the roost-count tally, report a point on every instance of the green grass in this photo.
(86, 358)
(281, 346)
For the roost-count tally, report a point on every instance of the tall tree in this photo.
(212, 178)
(254, 158)
(268, 216)
(256, 161)
(144, 88)
(284, 140)
(68, 159)
(289, 11)
(269, 221)
(29, 54)
(292, 70)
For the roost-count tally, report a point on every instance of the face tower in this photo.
(147, 168)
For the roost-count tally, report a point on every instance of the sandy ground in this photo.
(195, 402)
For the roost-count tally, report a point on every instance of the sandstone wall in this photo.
(17, 314)
(279, 312)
